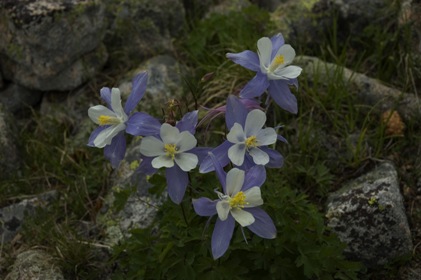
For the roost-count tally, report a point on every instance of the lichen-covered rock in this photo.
(143, 28)
(291, 11)
(34, 265)
(369, 216)
(164, 83)
(128, 205)
(10, 160)
(13, 216)
(16, 97)
(51, 45)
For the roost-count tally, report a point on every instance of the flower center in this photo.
(106, 120)
(278, 60)
(251, 142)
(238, 200)
(171, 150)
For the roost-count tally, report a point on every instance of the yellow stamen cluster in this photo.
(251, 142)
(171, 150)
(278, 60)
(238, 200)
(106, 120)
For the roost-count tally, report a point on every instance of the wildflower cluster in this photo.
(172, 144)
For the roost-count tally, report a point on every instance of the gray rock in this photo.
(289, 12)
(369, 216)
(369, 91)
(35, 264)
(13, 216)
(140, 208)
(51, 45)
(16, 97)
(10, 161)
(143, 28)
(70, 110)
(164, 83)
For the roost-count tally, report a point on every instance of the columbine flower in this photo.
(238, 202)
(175, 149)
(247, 141)
(114, 120)
(171, 149)
(250, 138)
(274, 72)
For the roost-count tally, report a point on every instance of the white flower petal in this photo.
(259, 157)
(169, 134)
(242, 217)
(186, 161)
(253, 197)
(186, 142)
(152, 147)
(266, 136)
(96, 111)
(289, 72)
(235, 181)
(116, 104)
(162, 161)
(264, 47)
(287, 52)
(236, 134)
(222, 208)
(255, 120)
(106, 136)
(236, 153)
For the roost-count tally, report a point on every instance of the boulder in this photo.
(368, 215)
(35, 264)
(16, 97)
(164, 83)
(13, 216)
(141, 29)
(51, 45)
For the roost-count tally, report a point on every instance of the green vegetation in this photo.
(331, 139)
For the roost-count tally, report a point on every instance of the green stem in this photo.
(184, 214)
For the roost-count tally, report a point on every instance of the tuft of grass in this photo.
(53, 162)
